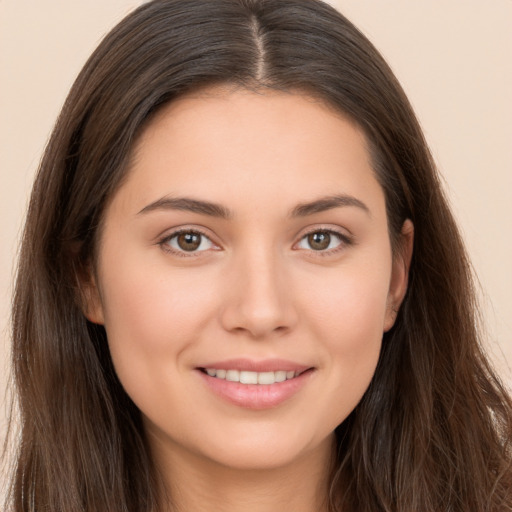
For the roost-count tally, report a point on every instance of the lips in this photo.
(255, 384)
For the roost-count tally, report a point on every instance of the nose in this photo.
(258, 299)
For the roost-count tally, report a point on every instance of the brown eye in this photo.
(322, 240)
(319, 241)
(189, 241)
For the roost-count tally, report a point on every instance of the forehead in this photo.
(226, 145)
(248, 116)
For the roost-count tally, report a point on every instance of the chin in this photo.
(251, 453)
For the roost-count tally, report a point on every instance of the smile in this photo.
(249, 377)
(255, 385)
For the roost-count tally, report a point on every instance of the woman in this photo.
(240, 284)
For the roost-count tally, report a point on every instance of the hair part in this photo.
(434, 429)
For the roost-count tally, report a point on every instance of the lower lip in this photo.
(256, 396)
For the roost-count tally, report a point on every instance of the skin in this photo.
(255, 289)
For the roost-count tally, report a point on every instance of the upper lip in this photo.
(250, 365)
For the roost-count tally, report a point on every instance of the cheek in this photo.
(151, 317)
(349, 305)
(347, 321)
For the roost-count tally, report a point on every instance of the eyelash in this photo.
(164, 243)
(344, 239)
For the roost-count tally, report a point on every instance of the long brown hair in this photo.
(433, 431)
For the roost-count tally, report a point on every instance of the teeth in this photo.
(281, 376)
(233, 375)
(266, 378)
(245, 377)
(248, 377)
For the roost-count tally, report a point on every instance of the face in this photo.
(245, 277)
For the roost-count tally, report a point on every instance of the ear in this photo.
(399, 274)
(90, 298)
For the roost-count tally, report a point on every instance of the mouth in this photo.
(250, 377)
(256, 385)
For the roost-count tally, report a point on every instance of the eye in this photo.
(188, 241)
(322, 240)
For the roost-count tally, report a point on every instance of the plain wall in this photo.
(452, 57)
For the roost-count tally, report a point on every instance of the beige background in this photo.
(452, 56)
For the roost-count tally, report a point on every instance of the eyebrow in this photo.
(216, 210)
(328, 203)
(190, 205)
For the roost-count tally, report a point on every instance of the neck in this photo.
(196, 484)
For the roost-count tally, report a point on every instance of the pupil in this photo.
(319, 241)
(189, 241)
